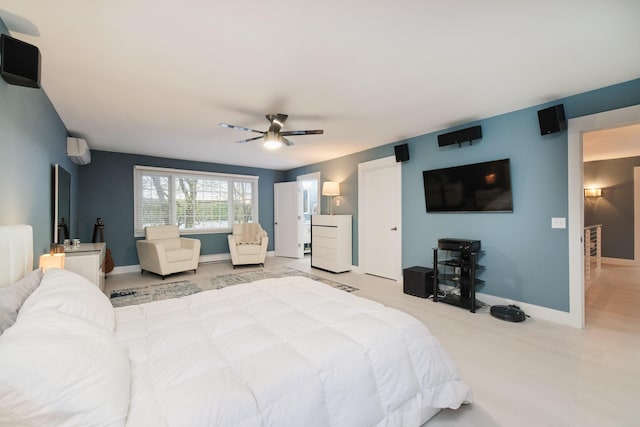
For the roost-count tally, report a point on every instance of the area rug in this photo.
(166, 290)
(157, 292)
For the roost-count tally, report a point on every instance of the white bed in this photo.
(277, 352)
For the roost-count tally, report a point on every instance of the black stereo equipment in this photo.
(460, 136)
(20, 63)
(417, 281)
(459, 245)
(402, 152)
(552, 119)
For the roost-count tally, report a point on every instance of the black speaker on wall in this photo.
(552, 119)
(402, 152)
(460, 136)
(20, 63)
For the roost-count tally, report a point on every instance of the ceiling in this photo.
(157, 77)
(611, 143)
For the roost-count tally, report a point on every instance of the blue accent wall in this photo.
(33, 139)
(614, 210)
(106, 191)
(526, 259)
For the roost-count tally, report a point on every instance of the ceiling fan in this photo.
(273, 137)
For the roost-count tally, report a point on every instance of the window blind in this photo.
(198, 202)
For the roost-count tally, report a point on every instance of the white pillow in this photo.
(73, 294)
(58, 369)
(13, 296)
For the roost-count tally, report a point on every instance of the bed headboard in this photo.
(16, 252)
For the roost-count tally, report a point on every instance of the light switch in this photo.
(558, 223)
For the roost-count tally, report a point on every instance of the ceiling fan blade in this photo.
(303, 132)
(286, 141)
(250, 139)
(226, 125)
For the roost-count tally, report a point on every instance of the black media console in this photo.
(455, 266)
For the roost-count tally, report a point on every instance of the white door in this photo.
(380, 217)
(287, 205)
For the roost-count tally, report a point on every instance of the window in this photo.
(197, 202)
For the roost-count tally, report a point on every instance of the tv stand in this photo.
(455, 265)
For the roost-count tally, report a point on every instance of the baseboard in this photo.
(203, 260)
(620, 262)
(535, 311)
(124, 269)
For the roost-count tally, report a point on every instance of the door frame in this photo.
(385, 162)
(575, 128)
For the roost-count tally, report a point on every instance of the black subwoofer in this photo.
(418, 281)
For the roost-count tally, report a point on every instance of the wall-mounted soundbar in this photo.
(460, 136)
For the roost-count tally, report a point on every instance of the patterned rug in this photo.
(157, 292)
(166, 290)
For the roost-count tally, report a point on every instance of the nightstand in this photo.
(87, 260)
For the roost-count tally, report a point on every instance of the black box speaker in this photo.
(402, 152)
(20, 63)
(417, 281)
(552, 119)
(460, 136)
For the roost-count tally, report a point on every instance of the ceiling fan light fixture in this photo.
(273, 137)
(272, 141)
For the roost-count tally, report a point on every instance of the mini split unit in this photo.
(78, 151)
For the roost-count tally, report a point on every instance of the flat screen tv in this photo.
(478, 187)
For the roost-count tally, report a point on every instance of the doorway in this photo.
(576, 128)
(309, 185)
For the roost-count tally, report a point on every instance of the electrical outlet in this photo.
(558, 223)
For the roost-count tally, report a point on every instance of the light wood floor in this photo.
(534, 373)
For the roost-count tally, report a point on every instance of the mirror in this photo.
(309, 185)
(306, 202)
(61, 204)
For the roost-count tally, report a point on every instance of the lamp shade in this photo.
(330, 188)
(55, 260)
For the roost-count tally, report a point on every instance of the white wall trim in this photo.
(575, 171)
(636, 215)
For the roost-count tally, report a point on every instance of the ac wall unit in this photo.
(78, 151)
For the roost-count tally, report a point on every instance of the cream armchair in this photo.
(163, 251)
(248, 244)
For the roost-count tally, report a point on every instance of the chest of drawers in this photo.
(331, 242)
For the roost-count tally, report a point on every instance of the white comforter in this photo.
(283, 352)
